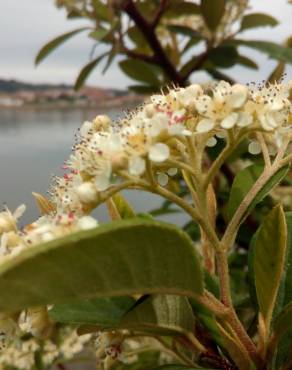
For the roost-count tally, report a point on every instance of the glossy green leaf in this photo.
(105, 313)
(212, 11)
(273, 50)
(244, 181)
(53, 44)
(141, 71)
(121, 258)
(86, 70)
(257, 20)
(269, 260)
(161, 314)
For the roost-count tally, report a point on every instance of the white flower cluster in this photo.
(156, 133)
(21, 354)
(46, 228)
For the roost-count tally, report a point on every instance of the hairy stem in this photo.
(225, 153)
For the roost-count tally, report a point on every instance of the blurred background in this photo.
(39, 109)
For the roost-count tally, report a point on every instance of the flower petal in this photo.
(230, 120)
(205, 125)
(136, 166)
(159, 152)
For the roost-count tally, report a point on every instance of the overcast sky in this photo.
(25, 25)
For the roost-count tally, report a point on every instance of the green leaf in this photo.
(53, 44)
(121, 258)
(208, 320)
(86, 70)
(99, 34)
(141, 71)
(277, 73)
(273, 50)
(284, 296)
(286, 289)
(143, 89)
(257, 20)
(161, 314)
(123, 207)
(235, 349)
(250, 276)
(184, 30)
(223, 56)
(246, 62)
(283, 321)
(284, 301)
(137, 37)
(244, 181)
(111, 55)
(212, 11)
(269, 260)
(101, 10)
(105, 313)
(178, 8)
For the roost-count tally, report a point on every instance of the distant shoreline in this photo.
(19, 95)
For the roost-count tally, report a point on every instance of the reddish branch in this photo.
(148, 30)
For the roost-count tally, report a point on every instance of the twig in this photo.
(148, 32)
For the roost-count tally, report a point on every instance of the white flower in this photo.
(159, 152)
(244, 119)
(172, 171)
(187, 95)
(162, 179)
(254, 147)
(8, 220)
(219, 109)
(205, 125)
(211, 142)
(229, 121)
(237, 96)
(86, 223)
(86, 192)
(136, 166)
(268, 120)
(102, 182)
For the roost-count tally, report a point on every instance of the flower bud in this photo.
(101, 123)
(86, 192)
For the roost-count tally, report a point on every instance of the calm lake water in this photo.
(33, 146)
